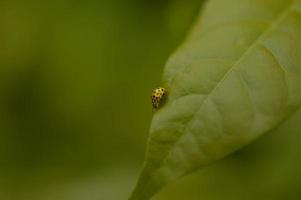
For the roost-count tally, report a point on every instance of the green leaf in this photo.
(237, 76)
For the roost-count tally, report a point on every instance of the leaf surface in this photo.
(237, 76)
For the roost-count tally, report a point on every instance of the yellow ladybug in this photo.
(158, 97)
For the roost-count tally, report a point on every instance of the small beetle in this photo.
(158, 97)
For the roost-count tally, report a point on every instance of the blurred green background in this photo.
(75, 81)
